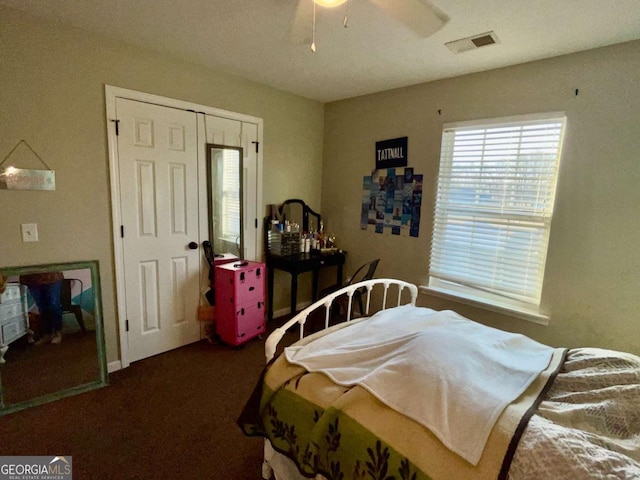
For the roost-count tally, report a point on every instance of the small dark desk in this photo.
(300, 263)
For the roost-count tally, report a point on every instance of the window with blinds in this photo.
(496, 189)
(230, 202)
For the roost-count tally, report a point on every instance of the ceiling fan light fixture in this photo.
(329, 3)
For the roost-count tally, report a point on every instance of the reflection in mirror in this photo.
(293, 212)
(224, 188)
(51, 333)
(297, 211)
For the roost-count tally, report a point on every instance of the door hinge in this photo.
(256, 223)
(121, 231)
(257, 146)
(126, 322)
(117, 122)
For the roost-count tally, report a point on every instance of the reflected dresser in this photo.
(14, 319)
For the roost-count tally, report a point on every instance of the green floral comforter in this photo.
(346, 433)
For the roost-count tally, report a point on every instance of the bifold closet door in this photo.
(235, 133)
(158, 182)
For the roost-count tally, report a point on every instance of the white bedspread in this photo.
(450, 374)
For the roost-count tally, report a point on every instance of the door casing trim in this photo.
(111, 94)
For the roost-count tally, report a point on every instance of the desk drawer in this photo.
(329, 260)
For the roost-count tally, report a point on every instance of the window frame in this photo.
(442, 285)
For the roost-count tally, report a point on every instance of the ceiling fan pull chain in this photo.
(313, 30)
(346, 15)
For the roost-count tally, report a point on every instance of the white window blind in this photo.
(496, 189)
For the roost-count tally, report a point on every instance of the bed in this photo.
(409, 393)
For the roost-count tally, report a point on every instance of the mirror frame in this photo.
(102, 381)
(306, 212)
(240, 150)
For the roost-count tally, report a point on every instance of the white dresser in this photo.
(14, 319)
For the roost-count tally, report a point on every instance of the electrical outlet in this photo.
(29, 232)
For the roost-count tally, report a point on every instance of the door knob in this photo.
(193, 245)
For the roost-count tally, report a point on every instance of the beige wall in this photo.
(593, 269)
(52, 96)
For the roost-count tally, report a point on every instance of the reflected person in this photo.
(45, 288)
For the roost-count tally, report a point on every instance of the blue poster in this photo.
(391, 199)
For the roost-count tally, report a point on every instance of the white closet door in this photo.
(157, 152)
(223, 131)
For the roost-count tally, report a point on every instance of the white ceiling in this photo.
(251, 38)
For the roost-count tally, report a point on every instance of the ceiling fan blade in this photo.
(419, 15)
(302, 22)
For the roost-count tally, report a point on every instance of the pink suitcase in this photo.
(240, 306)
(242, 325)
(240, 282)
(222, 258)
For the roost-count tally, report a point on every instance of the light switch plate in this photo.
(29, 232)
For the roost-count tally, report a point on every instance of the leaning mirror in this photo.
(225, 192)
(51, 333)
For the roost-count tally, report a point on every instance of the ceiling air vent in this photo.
(471, 43)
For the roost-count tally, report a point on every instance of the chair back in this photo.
(65, 293)
(365, 272)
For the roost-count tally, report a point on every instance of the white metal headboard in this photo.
(274, 339)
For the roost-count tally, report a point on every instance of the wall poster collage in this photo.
(391, 201)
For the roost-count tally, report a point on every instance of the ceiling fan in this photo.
(418, 15)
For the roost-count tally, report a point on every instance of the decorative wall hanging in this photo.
(13, 178)
(391, 201)
(392, 153)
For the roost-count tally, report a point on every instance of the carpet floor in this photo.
(170, 416)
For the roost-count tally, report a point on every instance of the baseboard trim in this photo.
(117, 364)
(286, 311)
(114, 366)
